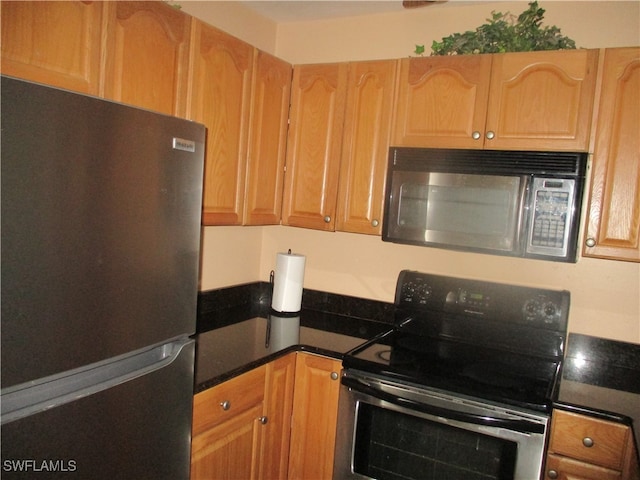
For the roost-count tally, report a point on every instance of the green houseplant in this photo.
(504, 32)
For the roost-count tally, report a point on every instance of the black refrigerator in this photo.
(101, 208)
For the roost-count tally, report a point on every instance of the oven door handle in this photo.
(523, 426)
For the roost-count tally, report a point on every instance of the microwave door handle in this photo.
(522, 426)
(524, 191)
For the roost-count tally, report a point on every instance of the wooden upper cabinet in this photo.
(541, 100)
(512, 101)
(314, 145)
(267, 140)
(365, 146)
(147, 55)
(442, 101)
(55, 43)
(219, 97)
(613, 228)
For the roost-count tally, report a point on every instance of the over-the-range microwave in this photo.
(516, 203)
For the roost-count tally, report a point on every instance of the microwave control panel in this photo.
(551, 216)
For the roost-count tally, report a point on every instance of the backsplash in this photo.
(224, 306)
(603, 363)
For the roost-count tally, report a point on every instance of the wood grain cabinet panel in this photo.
(314, 144)
(442, 101)
(613, 228)
(35, 47)
(315, 415)
(541, 100)
(365, 146)
(241, 428)
(588, 448)
(278, 407)
(511, 101)
(147, 56)
(220, 93)
(267, 140)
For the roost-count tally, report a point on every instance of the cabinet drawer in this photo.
(571, 433)
(223, 401)
(568, 469)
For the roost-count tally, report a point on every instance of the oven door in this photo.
(388, 430)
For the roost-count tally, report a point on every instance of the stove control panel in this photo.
(487, 300)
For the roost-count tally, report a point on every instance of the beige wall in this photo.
(605, 294)
(235, 19)
(592, 24)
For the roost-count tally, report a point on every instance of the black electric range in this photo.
(496, 342)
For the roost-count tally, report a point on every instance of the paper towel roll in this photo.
(288, 278)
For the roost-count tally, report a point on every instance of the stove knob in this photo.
(531, 309)
(550, 311)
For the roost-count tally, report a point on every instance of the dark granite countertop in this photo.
(225, 352)
(601, 378)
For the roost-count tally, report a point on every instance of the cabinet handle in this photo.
(588, 442)
(490, 135)
(334, 375)
(327, 219)
(476, 135)
(375, 223)
(552, 474)
(590, 242)
(263, 420)
(226, 405)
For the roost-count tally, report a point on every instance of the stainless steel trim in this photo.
(531, 446)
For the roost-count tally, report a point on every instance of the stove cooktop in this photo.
(484, 340)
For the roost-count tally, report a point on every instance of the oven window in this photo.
(391, 446)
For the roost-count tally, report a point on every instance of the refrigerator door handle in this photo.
(26, 399)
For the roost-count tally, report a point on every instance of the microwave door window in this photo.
(464, 211)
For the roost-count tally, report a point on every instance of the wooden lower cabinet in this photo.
(274, 422)
(586, 448)
(241, 427)
(315, 415)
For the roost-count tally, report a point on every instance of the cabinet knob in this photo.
(476, 135)
(334, 375)
(552, 474)
(327, 219)
(263, 420)
(590, 242)
(490, 135)
(226, 405)
(588, 442)
(375, 223)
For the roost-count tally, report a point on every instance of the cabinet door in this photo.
(220, 92)
(315, 412)
(563, 468)
(267, 140)
(314, 143)
(277, 409)
(442, 101)
(541, 100)
(613, 229)
(147, 56)
(36, 47)
(227, 428)
(228, 450)
(365, 146)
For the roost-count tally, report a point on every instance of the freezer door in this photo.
(101, 207)
(137, 429)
